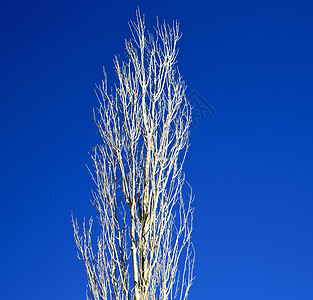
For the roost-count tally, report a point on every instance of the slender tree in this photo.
(144, 248)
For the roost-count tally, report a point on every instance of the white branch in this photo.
(144, 249)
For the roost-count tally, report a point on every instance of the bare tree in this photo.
(144, 248)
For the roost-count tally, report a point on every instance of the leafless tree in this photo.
(144, 248)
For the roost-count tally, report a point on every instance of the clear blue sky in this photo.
(250, 164)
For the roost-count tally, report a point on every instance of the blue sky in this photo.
(250, 163)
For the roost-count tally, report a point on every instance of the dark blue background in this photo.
(250, 165)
